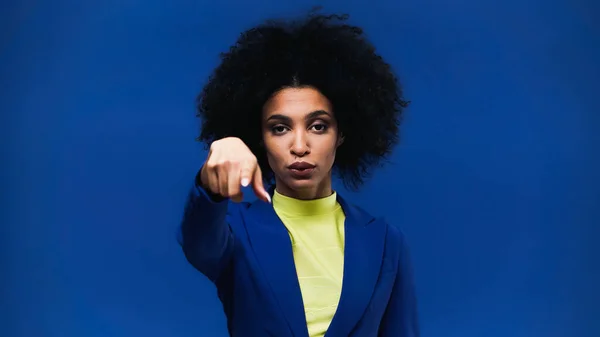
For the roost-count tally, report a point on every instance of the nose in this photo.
(300, 146)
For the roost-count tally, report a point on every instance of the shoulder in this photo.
(394, 233)
(395, 238)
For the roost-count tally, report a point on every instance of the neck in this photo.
(321, 190)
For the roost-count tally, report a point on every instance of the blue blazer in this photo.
(245, 250)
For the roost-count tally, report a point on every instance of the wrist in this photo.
(200, 184)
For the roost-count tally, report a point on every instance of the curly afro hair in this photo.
(323, 52)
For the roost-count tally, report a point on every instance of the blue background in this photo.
(496, 182)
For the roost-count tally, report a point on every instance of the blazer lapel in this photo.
(363, 256)
(272, 245)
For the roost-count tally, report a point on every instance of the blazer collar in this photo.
(363, 255)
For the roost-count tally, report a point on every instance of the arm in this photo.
(204, 234)
(400, 318)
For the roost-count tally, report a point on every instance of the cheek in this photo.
(328, 153)
(274, 152)
(332, 157)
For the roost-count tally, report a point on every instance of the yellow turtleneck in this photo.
(316, 228)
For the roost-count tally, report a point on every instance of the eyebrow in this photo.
(312, 115)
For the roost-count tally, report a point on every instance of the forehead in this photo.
(296, 102)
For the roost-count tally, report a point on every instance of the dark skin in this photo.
(298, 126)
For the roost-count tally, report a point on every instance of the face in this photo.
(300, 136)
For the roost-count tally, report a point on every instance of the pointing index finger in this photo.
(259, 188)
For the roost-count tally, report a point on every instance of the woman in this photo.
(291, 104)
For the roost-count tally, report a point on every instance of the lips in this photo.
(301, 170)
(300, 166)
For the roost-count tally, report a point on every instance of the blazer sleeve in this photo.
(204, 234)
(401, 317)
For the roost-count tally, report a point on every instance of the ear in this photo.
(340, 140)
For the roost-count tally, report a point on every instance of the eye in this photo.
(279, 129)
(319, 127)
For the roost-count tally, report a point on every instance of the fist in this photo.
(229, 167)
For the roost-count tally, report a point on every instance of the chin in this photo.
(301, 184)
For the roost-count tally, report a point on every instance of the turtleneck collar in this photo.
(298, 207)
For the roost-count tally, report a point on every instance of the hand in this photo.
(229, 166)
